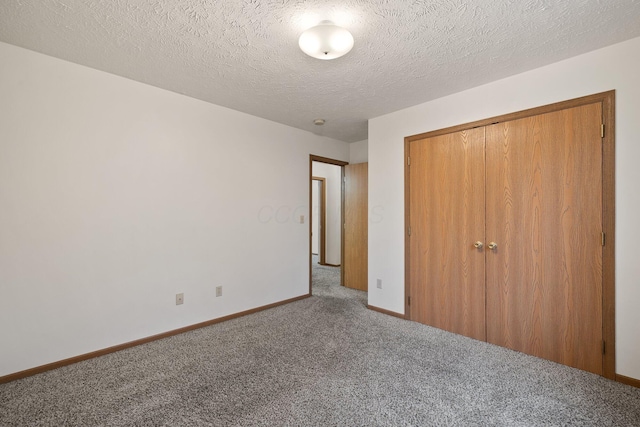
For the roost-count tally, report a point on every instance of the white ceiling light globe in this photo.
(326, 41)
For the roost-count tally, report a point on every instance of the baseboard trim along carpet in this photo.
(98, 353)
(628, 380)
(619, 378)
(387, 312)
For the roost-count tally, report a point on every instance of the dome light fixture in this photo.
(326, 41)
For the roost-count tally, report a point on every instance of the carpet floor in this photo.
(322, 361)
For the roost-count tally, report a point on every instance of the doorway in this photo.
(327, 176)
(319, 218)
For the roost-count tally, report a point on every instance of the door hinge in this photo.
(603, 239)
(344, 179)
(408, 300)
(409, 230)
(604, 347)
(602, 130)
(408, 161)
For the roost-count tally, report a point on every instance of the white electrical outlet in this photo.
(379, 283)
(179, 299)
(218, 291)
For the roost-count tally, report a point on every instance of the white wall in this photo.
(332, 173)
(115, 196)
(359, 152)
(615, 67)
(315, 217)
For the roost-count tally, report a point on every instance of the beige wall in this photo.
(359, 152)
(116, 195)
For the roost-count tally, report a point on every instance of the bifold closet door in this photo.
(544, 212)
(447, 276)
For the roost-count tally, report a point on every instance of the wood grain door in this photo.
(356, 226)
(544, 212)
(447, 206)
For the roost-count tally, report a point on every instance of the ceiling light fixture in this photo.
(318, 122)
(326, 41)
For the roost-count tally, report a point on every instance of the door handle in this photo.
(493, 246)
(478, 245)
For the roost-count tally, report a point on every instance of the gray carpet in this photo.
(322, 361)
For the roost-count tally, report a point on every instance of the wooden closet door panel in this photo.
(356, 226)
(446, 271)
(544, 211)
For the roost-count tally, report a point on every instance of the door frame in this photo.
(608, 206)
(342, 164)
(322, 221)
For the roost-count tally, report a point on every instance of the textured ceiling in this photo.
(243, 54)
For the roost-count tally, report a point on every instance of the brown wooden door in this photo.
(446, 271)
(356, 226)
(544, 211)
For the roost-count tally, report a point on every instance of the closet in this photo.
(506, 226)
